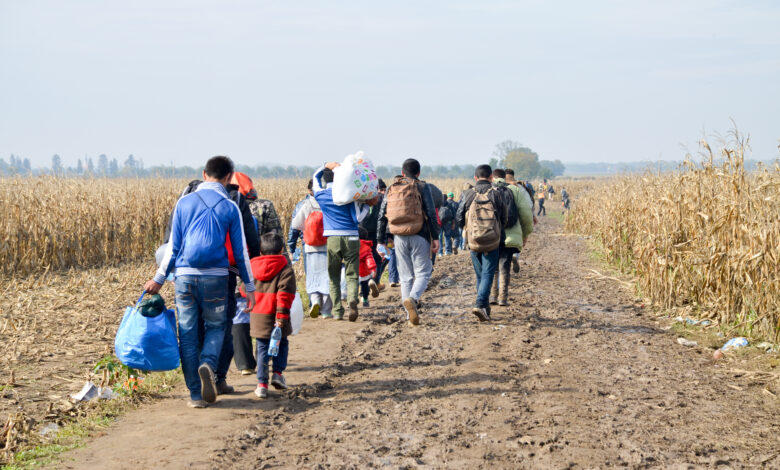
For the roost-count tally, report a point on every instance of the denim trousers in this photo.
(279, 362)
(485, 265)
(392, 266)
(226, 354)
(448, 234)
(200, 299)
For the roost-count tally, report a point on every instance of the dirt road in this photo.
(573, 375)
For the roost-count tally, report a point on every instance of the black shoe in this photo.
(208, 385)
(224, 389)
(515, 265)
(481, 313)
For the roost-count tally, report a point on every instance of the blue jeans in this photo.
(392, 267)
(485, 265)
(200, 298)
(226, 354)
(280, 361)
(448, 233)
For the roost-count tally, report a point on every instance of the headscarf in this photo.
(245, 186)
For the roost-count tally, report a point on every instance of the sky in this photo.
(302, 82)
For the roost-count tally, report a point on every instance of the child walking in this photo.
(367, 267)
(275, 292)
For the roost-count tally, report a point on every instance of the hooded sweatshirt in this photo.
(274, 293)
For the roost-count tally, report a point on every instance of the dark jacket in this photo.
(496, 198)
(430, 229)
(371, 222)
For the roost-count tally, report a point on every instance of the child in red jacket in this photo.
(275, 291)
(367, 268)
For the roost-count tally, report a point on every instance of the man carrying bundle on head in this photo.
(408, 213)
(483, 213)
(340, 227)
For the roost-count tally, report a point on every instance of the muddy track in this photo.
(573, 375)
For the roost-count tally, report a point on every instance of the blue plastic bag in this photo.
(147, 343)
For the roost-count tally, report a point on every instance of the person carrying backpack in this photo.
(201, 223)
(240, 189)
(483, 213)
(565, 199)
(340, 226)
(448, 227)
(309, 222)
(516, 233)
(408, 213)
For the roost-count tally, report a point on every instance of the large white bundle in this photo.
(355, 180)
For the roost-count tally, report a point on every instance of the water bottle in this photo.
(276, 338)
(382, 250)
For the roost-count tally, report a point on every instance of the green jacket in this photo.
(516, 234)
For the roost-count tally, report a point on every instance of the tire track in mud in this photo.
(572, 375)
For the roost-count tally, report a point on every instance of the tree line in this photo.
(508, 154)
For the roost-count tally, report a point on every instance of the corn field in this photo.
(49, 223)
(706, 236)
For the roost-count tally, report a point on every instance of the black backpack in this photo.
(445, 214)
(509, 201)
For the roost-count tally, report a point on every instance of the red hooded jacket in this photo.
(274, 294)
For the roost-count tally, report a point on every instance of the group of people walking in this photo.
(221, 231)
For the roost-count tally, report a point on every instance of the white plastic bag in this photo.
(355, 180)
(296, 314)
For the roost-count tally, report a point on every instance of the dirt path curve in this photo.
(572, 375)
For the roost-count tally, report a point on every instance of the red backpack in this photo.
(313, 230)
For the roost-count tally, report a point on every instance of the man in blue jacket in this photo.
(340, 224)
(202, 222)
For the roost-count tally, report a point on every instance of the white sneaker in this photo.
(261, 392)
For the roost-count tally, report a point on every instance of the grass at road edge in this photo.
(99, 415)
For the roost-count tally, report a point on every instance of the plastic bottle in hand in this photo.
(276, 338)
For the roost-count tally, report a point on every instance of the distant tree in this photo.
(556, 167)
(26, 166)
(90, 166)
(524, 161)
(102, 165)
(56, 164)
(502, 150)
(80, 168)
(113, 167)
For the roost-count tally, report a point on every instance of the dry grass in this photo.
(53, 224)
(706, 236)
